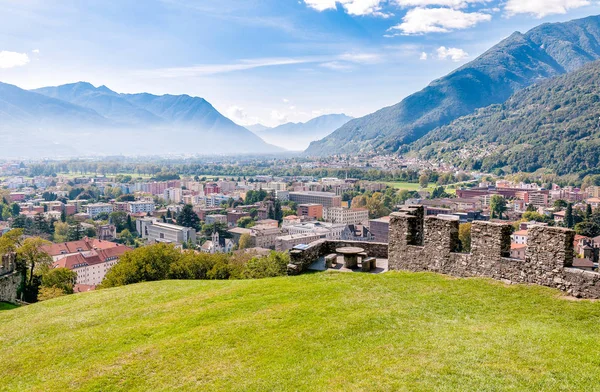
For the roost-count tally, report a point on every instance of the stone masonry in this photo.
(419, 243)
(9, 279)
(548, 260)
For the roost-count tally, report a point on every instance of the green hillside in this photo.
(316, 332)
(554, 125)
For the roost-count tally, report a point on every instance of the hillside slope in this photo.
(297, 136)
(518, 61)
(317, 332)
(554, 124)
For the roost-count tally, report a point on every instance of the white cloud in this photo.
(36, 51)
(285, 100)
(542, 8)
(438, 20)
(353, 7)
(279, 117)
(239, 115)
(443, 3)
(454, 54)
(13, 59)
(363, 58)
(336, 66)
(424, 56)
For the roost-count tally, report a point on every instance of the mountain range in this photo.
(80, 119)
(520, 60)
(554, 125)
(297, 136)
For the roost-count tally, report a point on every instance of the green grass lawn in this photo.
(6, 306)
(409, 186)
(316, 332)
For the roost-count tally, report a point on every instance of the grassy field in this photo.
(409, 186)
(5, 306)
(316, 332)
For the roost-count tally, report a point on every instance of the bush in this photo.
(162, 261)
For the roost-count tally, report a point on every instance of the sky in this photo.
(262, 61)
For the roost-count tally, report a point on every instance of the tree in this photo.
(130, 225)
(63, 216)
(61, 278)
(76, 232)
(61, 232)
(588, 212)
(217, 227)
(120, 219)
(464, 235)
(47, 293)
(531, 208)
(588, 229)
(145, 264)
(34, 259)
(126, 237)
(424, 181)
(188, 218)
(497, 206)
(245, 241)
(245, 222)
(569, 219)
(559, 204)
(15, 209)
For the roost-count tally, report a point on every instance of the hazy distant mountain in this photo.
(297, 136)
(80, 119)
(520, 60)
(257, 128)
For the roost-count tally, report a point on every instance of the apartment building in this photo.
(136, 207)
(310, 210)
(354, 216)
(168, 233)
(172, 195)
(91, 267)
(326, 199)
(93, 210)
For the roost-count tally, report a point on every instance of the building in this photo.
(287, 242)
(234, 216)
(326, 199)
(354, 216)
(172, 195)
(310, 210)
(217, 245)
(330, 231)
(136, 207)
(265, 236)
(216, 218)
(93, 210)
(518, 251)
(519, 237)
(380, 229)
(106, 232)
(65, 249)
(91, 267)
(238, 232)
(168, 233)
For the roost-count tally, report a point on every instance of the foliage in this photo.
(59, 278)
(188, 218)
(246, 222)
(464, 236)
(163, 261)
(46, 293)
(497, 206)
(588, 229)
(245, 241)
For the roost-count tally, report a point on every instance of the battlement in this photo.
(417, 243)
(9, 278)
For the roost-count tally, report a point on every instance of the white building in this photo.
(217, 245)
(330, 231)
(215, 200)
(136, 207)
(519, 237)
(168, 233)
(93, 210)
(346, 216)
(172, 195)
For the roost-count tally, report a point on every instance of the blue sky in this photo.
(267, 61)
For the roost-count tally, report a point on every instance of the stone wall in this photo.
(300, 260)
(548, 260)
(9, 279)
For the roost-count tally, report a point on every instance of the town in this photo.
(92, 220)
